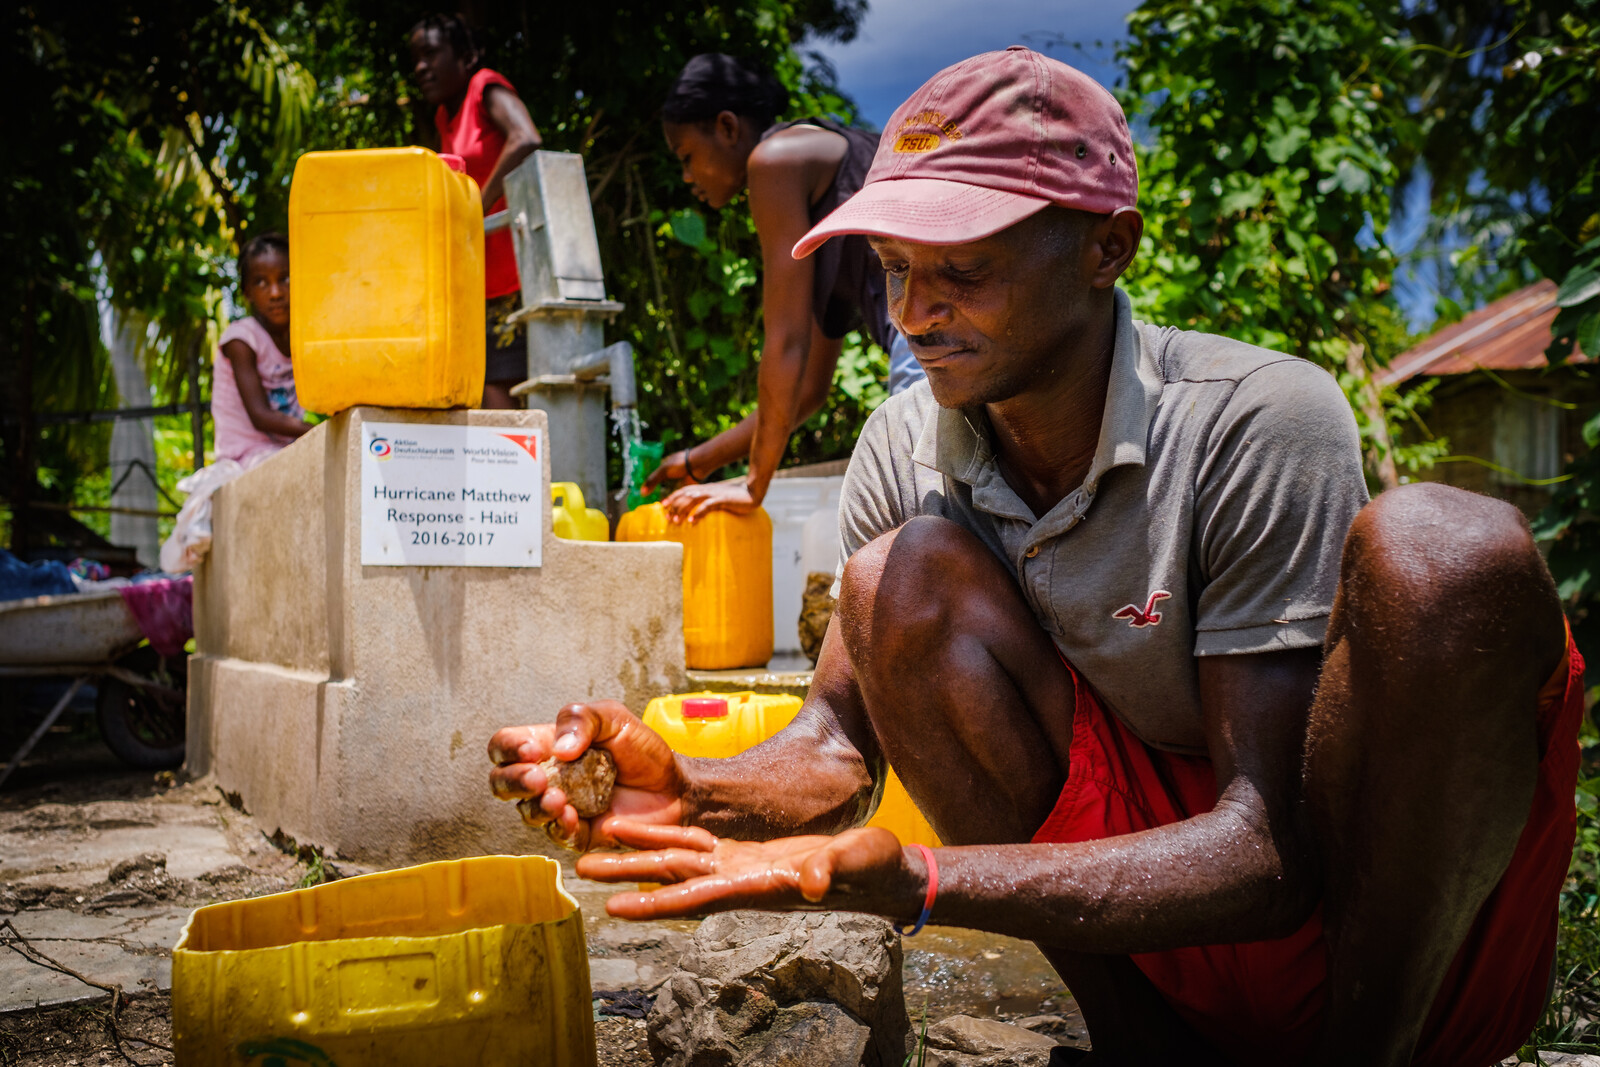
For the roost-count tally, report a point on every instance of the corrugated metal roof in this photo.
(1509, 334)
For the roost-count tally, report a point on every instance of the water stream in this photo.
(629, 432)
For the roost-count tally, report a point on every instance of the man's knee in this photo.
(1446, 558)
(910, 580)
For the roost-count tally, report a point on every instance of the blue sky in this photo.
(903, 43)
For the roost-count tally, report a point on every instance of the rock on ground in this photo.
(816, 610)
(808, 990)
(964, 1041)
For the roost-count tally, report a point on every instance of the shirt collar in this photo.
(956, 442)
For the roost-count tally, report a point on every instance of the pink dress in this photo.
(235, 437)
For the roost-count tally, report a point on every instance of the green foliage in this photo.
(1507, 101)
(1266, 179)
(1268, 182)
(1507, 94)
(152, 138)
(1569, 1021)
(1578, 323)
(1404, 410)
(593, 79)
(1570, 526)
(141, 136)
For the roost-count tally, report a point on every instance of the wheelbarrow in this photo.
(92, 636)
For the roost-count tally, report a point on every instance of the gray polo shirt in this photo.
(1211, 521)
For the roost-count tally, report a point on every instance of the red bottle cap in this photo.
(705, 708)
(455, 163)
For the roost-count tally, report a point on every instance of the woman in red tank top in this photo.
(481, 119)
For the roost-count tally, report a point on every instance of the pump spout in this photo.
(617, 362)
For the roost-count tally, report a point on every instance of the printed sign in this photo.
(451, 496)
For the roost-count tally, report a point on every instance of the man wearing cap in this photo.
(1269, 773)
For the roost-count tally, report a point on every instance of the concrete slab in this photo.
(73, 845)
(760, 680)
(129, 948)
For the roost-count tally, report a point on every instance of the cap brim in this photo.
(929, 211)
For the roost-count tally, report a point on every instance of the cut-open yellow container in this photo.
(476, 961)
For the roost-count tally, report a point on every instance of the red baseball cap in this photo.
(983, 145)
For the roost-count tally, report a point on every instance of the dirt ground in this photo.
(80, 1035)
(100, 866)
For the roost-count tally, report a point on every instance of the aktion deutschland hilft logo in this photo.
(380, 448)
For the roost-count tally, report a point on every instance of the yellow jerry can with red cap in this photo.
(727, 583)
(719, 724)
(725, 724)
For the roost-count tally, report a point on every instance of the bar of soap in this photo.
(587, 781)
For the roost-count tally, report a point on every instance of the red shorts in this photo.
(1261, 1002)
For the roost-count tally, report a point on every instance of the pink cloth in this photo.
(164, 610)
(236, 437)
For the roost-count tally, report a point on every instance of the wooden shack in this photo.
(1513, 422)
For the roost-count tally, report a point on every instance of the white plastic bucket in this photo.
(794, 504)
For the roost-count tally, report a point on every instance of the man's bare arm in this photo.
(1236, 873)
(815, 776)
(810, 777)
(509, 115)
(253, 394)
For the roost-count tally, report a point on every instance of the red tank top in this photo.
(470, 135)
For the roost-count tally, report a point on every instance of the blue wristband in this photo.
(927, 901)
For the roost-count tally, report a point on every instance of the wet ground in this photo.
(100, 867)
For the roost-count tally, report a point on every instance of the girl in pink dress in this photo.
(254, 410)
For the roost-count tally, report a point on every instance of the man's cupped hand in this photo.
(649, 787)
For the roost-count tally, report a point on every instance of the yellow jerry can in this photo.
(719, 724)
(476, 961)
(727, 583)
(898, 814)
(725, 724)
(571, 519)
(647, 522)
(388, 308)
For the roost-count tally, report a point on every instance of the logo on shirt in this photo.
(1148, 617)
(380, 448)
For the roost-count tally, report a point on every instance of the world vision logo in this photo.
(925, 139)
(525, 441)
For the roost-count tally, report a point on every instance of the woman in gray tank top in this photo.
(718, 121)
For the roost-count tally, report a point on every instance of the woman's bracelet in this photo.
(688, 467)
(927, 901)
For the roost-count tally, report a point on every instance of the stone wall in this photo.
(350, 706)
